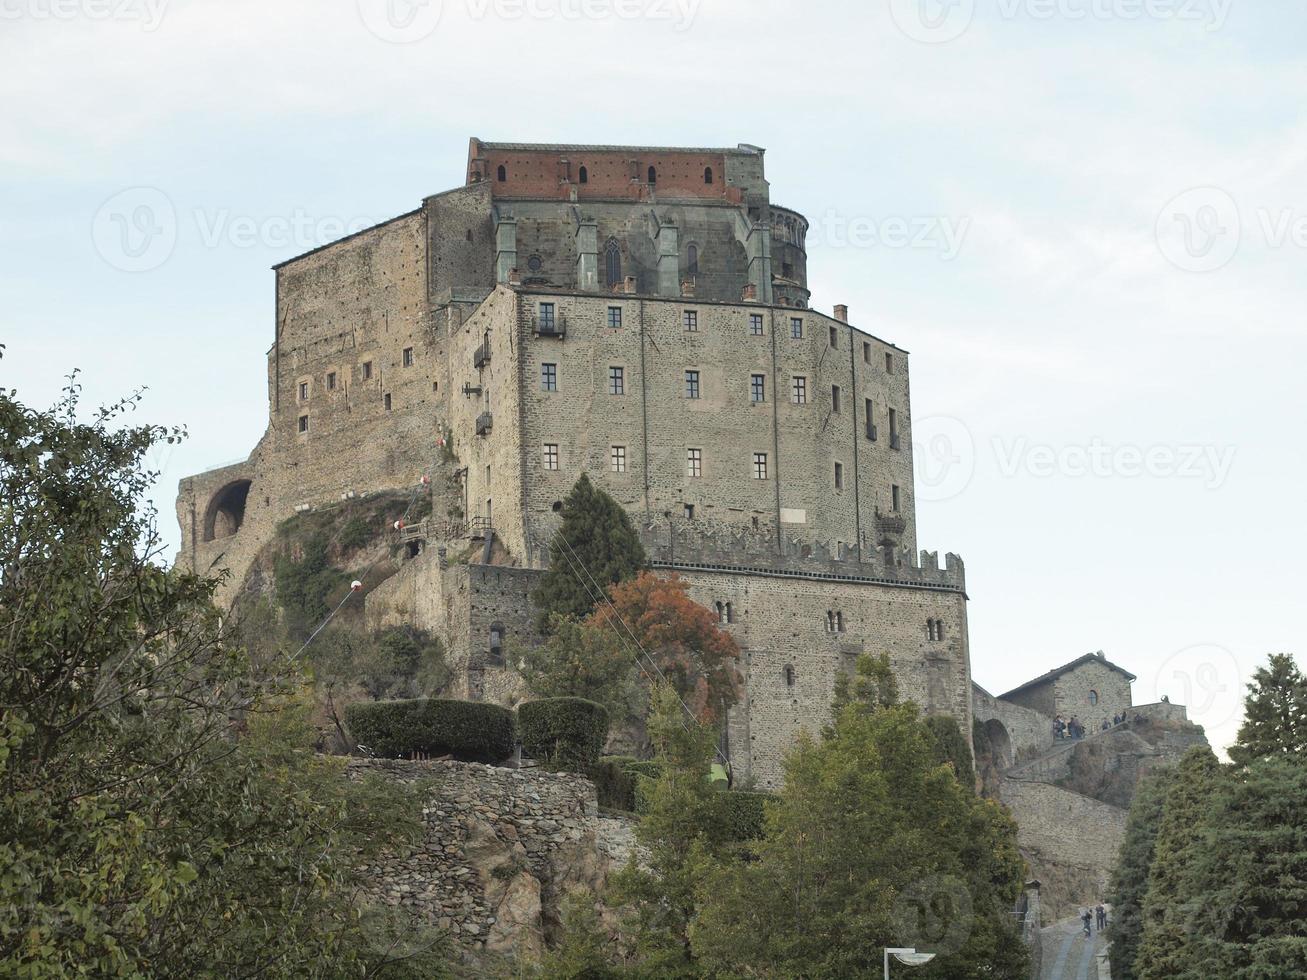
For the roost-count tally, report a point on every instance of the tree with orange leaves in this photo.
(699, 659)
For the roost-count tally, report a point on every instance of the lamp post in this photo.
(909, 957)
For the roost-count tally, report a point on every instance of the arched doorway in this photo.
(1000, 743)
(226, 511)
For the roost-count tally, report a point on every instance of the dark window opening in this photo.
(689, 512)
(226, 511)
(707, 175)
(692, 260)
(789, 676)
(653, 175)
(408, 357)
(331, 380)
(304, 423)
(387, 399)
(612, 264)
(502, 173)
(585, 176)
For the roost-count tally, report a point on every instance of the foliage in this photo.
(583, 660)
(586, 950)
(308, 586)
(951, 748)
(1130, 877)
(871, 843)
(698, 657)
(565, 734)
(870, 688)
(394, 663)
(1181, 837)
(161, 812)
(468, 730)
(618, 779)
(742, 815)
(595, 548)
(1275, 713)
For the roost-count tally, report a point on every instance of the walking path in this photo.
(1068, 955)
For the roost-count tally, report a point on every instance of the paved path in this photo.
(1068, 955)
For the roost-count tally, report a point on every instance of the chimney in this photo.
(628, 286)
(514, 277)
(687, 287)
(750, 293)
(842, 313)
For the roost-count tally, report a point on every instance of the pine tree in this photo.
(1275, 713)
(1130, 878)
(1181, 837)
(596, 547)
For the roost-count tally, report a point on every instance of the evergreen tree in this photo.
(952, 748)
(595, 548)
(1181, 836)
(1275, 713)
(1130, 877)
(584, 660)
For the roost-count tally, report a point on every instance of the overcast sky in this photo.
(1086, 219)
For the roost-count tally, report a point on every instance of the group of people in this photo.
(1096, 916)
(1062, 728)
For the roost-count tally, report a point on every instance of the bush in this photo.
(467, 730)
(563, 733)
(743, 814)
(616, 778)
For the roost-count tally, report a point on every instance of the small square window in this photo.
(547, 319)
(617, 459)
(691, 384)
(408, 357)
(796, 328)
(614, 316)
(835, 399)
(758, 387)
(551, 455)
(367, 370)
(548, 377)
(834, 338)
(690, 318)
(694, 462)
(331, 380)
(799, 390)
(304, 391)
(689, 512)
(839, 476)
(866, 352)
(755, 324)
(760, 466)
(304, 423)
(387, 401)
(616, 381)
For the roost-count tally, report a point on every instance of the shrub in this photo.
(616, 778)
(467, 730)
(743, 815)
(563, 733)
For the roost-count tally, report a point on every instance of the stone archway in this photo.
(226, 511)
(1000, 743)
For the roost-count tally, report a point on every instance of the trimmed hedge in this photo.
(563, 733)
(468, 730)
(742, 814)
(616, 778)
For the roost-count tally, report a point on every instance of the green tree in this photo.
(583, 660)
(1130, 877)
(872, 843)
(596, 547)
(1181, 836)
(1275, 713)
(951, 748)
(161, 811)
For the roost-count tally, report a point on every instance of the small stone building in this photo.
(1090, 689)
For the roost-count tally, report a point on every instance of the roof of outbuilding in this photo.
(1097, 658)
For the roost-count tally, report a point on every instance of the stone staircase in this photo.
(1039, 767)
(1069, 955)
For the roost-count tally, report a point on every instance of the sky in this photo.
(1086, 219)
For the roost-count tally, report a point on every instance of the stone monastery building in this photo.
(642, 315)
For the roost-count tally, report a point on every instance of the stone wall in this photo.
(501, 848)
(1017, 733)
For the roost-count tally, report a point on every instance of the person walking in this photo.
(1087, 920)
(1100, 917)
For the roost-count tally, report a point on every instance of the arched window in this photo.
(612, 263)
(1093, 697)
(730, 613)
(692, 260)
(707, 175)
(721, 613)
(653, 175)
(502, 173)
(789, 676)
(585, 176)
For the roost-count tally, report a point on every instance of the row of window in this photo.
(583, 175)
(365, 370)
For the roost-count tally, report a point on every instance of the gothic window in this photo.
(502, 173)
(707, 175)
(585, 176)
(692, 260)
(653, 175)
(1093, 697)
(612, 264)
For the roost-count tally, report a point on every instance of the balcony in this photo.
(549, 326)
(485, 422)
(481, 356)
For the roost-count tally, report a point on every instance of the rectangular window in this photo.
(758, 387)
(799, 390)
(691, 384)
(614, 317)
(893, 429)
(551, 455)
(835, 399)
(691, 320)
(870, 411)
(616, 381)
(839, 476)
(834, 338)
(548, 377)
(796, 327)
(617, 456)
(689, 512)
(889, 363)
(408, 357)
(367, 370)
(387, 401)
(304, 423)
(866, 352)
(755, 324)
(694, 462)
(304, 391)
(331, 380)
(760, 466)
(547, 315)
(894, 498)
